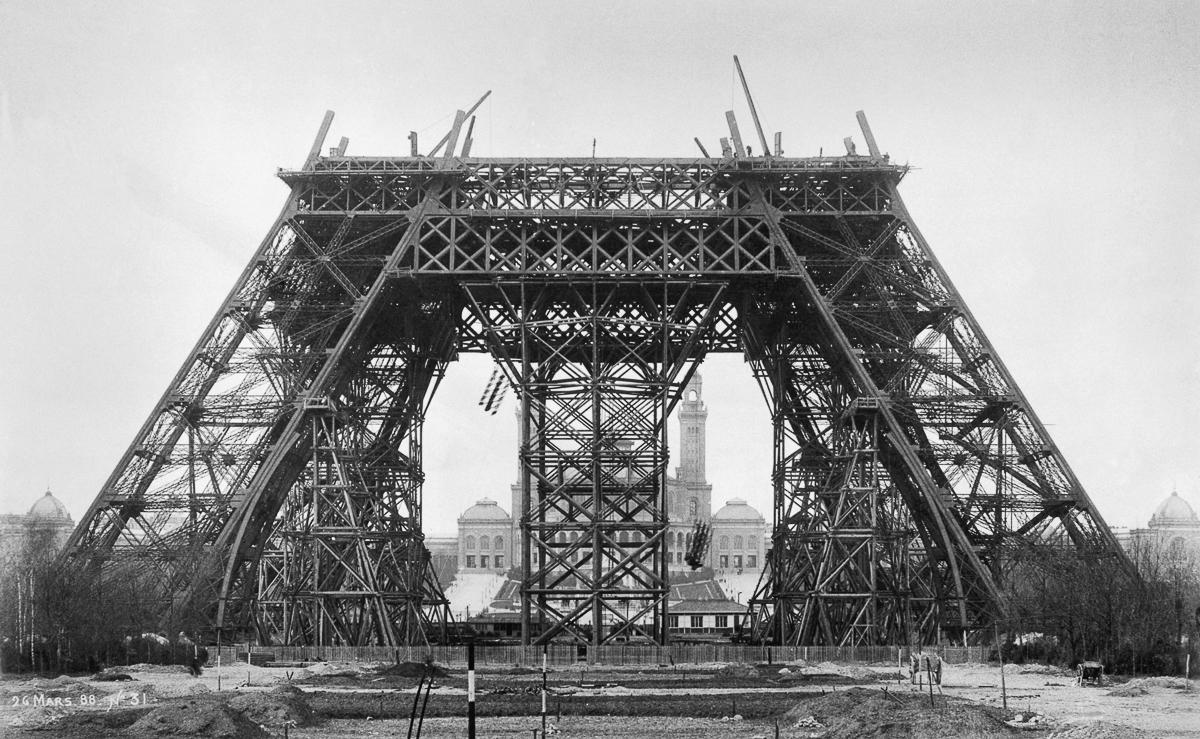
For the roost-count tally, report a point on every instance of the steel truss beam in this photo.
(275, 488)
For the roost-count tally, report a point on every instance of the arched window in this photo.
(693, 507)
(499, 542)
(624, 537)
(724, 542)
(574, 536)
(470, 543)
(692, 396)
(485, 542)
(737, 542)
(679, 540)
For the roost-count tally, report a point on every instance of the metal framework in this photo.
(276, 485)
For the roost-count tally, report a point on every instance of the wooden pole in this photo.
(446, 138)
(471, 689)
(425, 704)
(753, 112)
(545, 650)
(1000, 652)
(412, 716)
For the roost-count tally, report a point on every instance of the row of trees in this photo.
(57, 617)
(1067, 607)
(1070, 607)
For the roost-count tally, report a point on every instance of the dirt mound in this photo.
(1036, 669)
(1098, 730)
(854, 672)
(282, 705)
(419, 669)
(109, 677)
(155, 669)
(89, 724)
(179, 689)
(1131, 689)
(62, 688)
(59, 683)
(863, 673)
(203, 718)
(41, 717)
(333, 669)
(862, 712)
(737, 671)
(1142, 686)
(1162, 681)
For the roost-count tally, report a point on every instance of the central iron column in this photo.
(598, 367)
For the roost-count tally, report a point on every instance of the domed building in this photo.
(47, 526)
(737, 538)
(484, 538)
(1174, 530)
(1174, 513)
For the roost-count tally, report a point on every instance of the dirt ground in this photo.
(830, 701)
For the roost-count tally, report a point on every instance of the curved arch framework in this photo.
(275, 489)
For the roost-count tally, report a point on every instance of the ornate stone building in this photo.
(738, 541)
(1173, 531)
(47, 523)
(689, 501)
(485, 538)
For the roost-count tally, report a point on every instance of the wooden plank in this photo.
(452, 142)
(466, 150)
(778, 143)
(866, 131)
(736, 135)
(412, 143)
(702, 149)
(470, 110)
(726, 150)
(315, 152)
(850, 150)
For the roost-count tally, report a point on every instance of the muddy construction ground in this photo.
(335, 701)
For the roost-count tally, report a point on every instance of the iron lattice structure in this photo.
(276, 486)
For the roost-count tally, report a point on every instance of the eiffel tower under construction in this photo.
(274, 493)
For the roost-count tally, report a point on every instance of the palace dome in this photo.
(49, 507)
(484, 510)
(737, 510)
(1173, 510)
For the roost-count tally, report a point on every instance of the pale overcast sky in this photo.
(1054, 145)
